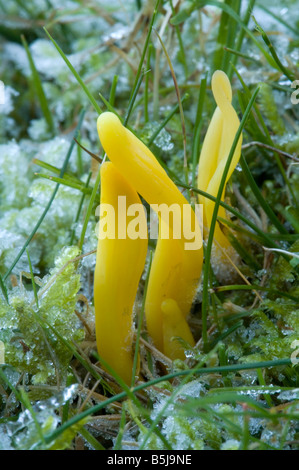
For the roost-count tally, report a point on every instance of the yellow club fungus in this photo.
(177, 263)
(213, 157)
(119, 265)
(175, 327)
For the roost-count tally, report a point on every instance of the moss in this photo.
(269, 109)
(30, 344)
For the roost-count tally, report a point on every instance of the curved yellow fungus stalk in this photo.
(215, 151)
(119, 265)
(177, 264)
(171, 276)
(175, 326)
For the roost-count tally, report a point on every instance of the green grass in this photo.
(238, 387)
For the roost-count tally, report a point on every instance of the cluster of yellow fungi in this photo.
(133, 171)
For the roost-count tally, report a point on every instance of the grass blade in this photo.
(32, 279)
(140, 323)
(205, 293)
(197, 128)
(259, 197)
(39, 89)
(75, 73)
(205, 370)
(233, 14)
(273, 53)
(35, 229)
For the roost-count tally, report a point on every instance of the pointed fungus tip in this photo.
(220, 83)
(107, 118)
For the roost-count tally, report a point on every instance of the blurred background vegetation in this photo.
(52, 390)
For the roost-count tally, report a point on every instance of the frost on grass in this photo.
(14, 177)
(181, 432)
(276, 322)
(188, 423)
(38, 129)
(24, 198)
(163, 139)
(36, 338)
(26, 433)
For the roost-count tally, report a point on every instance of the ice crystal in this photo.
(47, 60)
(14, 177)
(26, 432)
(32, 335)
(230, 444)
(163, 139)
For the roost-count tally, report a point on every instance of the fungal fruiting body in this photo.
(175, 328)
(176, 267)
(213, 157)
(172, 277)
(119, 265)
